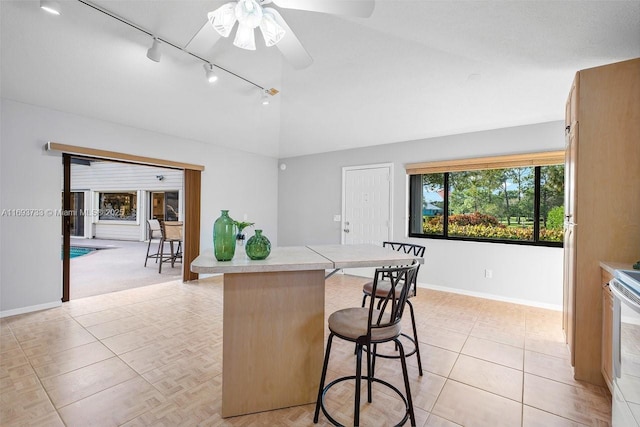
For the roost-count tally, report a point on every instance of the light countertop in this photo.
(298, 258)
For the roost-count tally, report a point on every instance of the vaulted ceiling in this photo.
(414, 69)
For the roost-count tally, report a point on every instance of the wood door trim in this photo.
(192, 191)
(114, 155)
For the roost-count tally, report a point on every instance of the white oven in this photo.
(626, 349)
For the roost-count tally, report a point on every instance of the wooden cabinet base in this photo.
(273, 340)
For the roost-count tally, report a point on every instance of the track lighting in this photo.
(154, 52)
(50, 6)
(211, 76)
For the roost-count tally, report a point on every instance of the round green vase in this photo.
(224, 237)
(258, 246)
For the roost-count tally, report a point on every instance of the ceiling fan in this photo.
(252, 14)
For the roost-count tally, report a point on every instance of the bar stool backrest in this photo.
(408, 248)
(388, 311)
(155, 230)
(173, 230)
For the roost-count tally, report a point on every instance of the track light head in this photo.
(264, 99)
(53, 7)
(154, 52)
(211, 76)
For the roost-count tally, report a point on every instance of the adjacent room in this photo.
(115, 213)
(493, 145)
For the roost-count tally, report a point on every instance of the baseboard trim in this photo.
(494, 297)
(30, 309)
(556, 307)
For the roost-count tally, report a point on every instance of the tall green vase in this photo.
(224, 237)
(258, 246)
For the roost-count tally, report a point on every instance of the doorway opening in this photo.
(164, 205)
(110, 205)
(89, 213)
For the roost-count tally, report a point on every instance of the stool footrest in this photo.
(363, 378)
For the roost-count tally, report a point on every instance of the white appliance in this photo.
(626, 348)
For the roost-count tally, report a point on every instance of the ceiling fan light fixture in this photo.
(154, 53)
(245, 39)
(223, 18)
(211, 75)
(50, 6)
(249, 13)
(271, 30)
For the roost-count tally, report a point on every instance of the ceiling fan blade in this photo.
(290, 46)
(202, 42)
(360, 8)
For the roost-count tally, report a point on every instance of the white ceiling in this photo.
(414, 69)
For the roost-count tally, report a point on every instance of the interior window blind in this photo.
(495, 162)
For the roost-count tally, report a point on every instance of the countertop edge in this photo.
(612, 266)
(259, 268)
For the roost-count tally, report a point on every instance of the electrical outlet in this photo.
(488, 273)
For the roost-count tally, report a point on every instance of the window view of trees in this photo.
(551, 203)
(515, 204)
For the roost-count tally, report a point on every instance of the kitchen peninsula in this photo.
(273, 321)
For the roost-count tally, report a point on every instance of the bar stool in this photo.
(172, 234)
(383, 289)
(368, 327)
(155, 233)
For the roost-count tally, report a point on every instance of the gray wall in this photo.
(30, 265)
(294, 206)
(310, 194)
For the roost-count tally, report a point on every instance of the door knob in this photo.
(346, 230)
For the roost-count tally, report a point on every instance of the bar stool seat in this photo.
(351, 323)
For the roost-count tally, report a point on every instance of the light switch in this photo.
(337, 218)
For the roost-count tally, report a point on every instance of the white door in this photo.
(367, 201)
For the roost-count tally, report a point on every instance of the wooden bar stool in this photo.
(172, 234)
(155, 233)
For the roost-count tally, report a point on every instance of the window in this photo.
(118, 206)
(507, 205)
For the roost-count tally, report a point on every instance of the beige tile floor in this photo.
(152, 356)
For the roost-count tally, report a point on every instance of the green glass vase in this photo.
(258, 246)
(224, 237)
